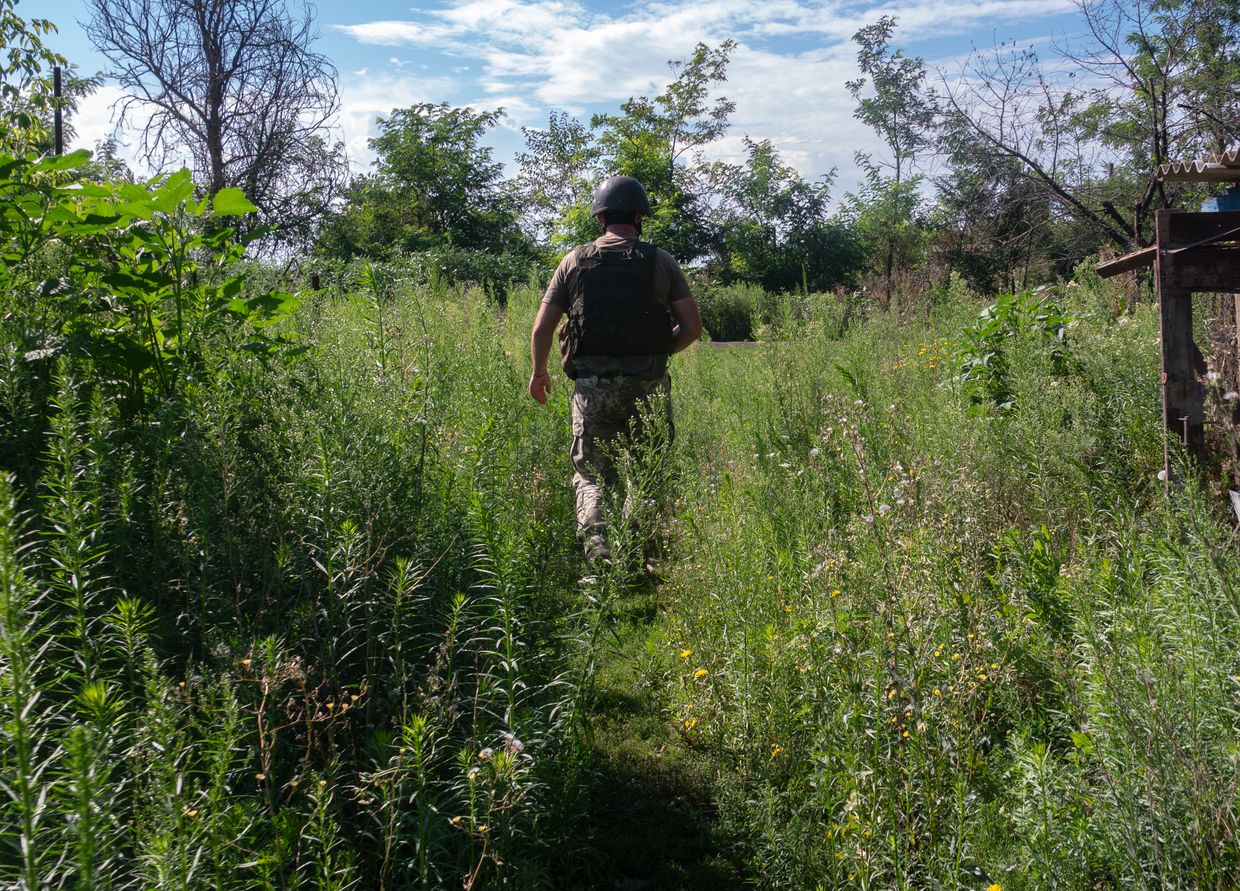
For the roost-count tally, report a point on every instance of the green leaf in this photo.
(66, 162)
(174, 190)
(231, 202)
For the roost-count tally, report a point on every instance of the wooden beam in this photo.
(1183, 394)
(1185, 228)
(1213, 269)
(1128, 262)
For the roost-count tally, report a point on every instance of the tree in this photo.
(556, 171)
(774, 228)
(650, 140)
(234, 88)
(1155, 89)
(990, 223)
(897, 108)
(27, 100)
(434, 185)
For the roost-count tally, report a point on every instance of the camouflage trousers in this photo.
(612, 415)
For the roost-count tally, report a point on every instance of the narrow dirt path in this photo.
(653, 821)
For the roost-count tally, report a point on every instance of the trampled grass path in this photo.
(653, 820)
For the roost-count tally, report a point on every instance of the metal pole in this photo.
(59, 124)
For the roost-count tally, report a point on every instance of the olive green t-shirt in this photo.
(670, 285)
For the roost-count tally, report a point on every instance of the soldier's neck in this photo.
(622, 230)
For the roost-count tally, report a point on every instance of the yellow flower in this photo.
(938, 692)
(260, 776)
(835, 593)
(686, 652)
(701, 673)
(994, 886)
(690, 723)
(787, 607)
(776, 751)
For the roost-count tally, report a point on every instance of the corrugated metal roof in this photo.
(1224, 168)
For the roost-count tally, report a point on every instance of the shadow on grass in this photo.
(650, 808)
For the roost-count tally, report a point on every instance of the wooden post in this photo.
(58, 120)
(1183, 394)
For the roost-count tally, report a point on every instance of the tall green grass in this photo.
(316, 619)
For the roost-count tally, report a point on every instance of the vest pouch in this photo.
(566, 349)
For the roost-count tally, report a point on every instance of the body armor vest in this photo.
(615, 310)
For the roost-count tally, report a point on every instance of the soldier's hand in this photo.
(540, 386)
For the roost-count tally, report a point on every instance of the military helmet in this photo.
(622, 194)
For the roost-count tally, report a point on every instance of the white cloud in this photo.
(787, 76)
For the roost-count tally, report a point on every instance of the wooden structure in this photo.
(1192, 253)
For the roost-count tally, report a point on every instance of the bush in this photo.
(729, 312)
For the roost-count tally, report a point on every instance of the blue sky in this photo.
(582, 56)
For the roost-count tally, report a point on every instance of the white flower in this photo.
(813, 453)
(1162, 475)
(1212, 377)
(1231, 395)
(883, 509)
(485, 754)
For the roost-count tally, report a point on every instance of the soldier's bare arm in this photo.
(541, 337)
(688, 323)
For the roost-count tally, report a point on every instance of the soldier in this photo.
(629, 308)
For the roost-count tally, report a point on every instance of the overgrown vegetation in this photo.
(290, 598)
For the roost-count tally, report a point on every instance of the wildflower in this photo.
(835, 593)
(260, 776)
(246, 663)
(330, 706)
(955, 657)
(473, 773)
(191, 813)
(994, 666)
(485, 754)
(938, 653)
(701, 673)
(891, 694)
(787, 607)
(322, 784)
(690, 723)
(884, 509)
(921, 726)
(813, 453)
(981, 676)
(904, 735)
(686, 652)
(994, 886)
(776, 751)
(938, 692)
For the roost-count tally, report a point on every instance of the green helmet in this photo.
(623, 194)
